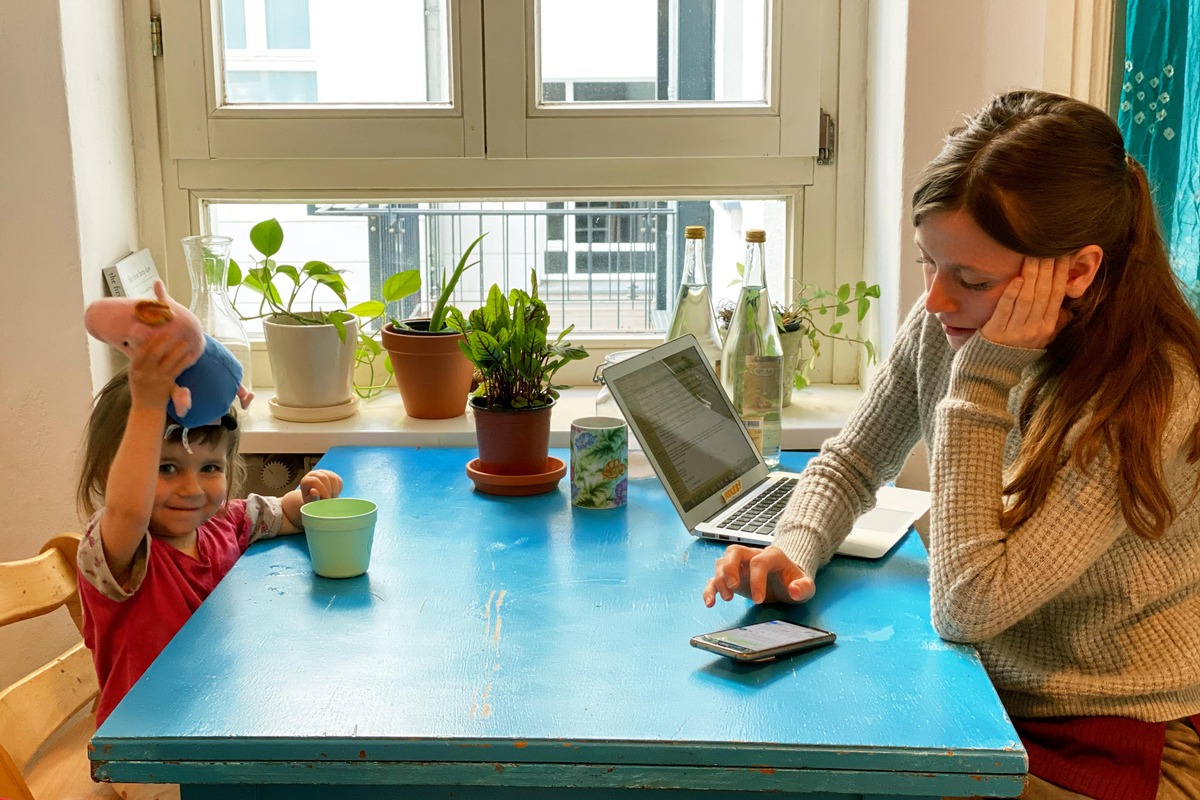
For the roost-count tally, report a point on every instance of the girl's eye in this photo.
(975, 287)
(166, 469)
(212, 468)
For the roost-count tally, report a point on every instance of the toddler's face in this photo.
(191, 487)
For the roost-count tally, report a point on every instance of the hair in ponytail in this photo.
(1045, 175)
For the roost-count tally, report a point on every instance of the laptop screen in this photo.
(677, 408)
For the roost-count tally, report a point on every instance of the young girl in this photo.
(167, 532)
(1053, 369)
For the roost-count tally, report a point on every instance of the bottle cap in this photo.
(693, 232)
(756, 235)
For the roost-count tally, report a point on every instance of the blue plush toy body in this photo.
(213, 381)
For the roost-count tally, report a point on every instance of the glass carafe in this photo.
(208, 264)
(606, 406)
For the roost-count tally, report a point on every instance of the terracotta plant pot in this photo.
(433, 374)
(513, 442)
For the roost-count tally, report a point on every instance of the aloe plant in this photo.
(443, 312)
(507, 341)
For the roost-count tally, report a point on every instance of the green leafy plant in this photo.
(284, 290)
(445, 315)
(811, 304)
(507, 341)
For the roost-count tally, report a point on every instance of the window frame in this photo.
(448, 155)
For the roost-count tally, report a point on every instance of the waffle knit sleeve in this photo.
(985, 578)
(840, 483)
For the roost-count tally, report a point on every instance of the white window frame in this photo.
(407, 154)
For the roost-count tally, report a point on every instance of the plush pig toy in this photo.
(204, 390)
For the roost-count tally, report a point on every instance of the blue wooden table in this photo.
(520, 648)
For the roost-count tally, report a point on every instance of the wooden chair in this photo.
(43, 735)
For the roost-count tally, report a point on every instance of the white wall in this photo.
(68, 209)
(930, 63)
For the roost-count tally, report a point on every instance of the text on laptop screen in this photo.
(687, 426)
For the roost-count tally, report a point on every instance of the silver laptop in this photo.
(708, 464)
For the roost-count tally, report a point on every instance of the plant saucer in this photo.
(517, 485)
(315, 414)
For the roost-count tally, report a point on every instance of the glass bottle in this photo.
(693, 304)
(752, 358)
(208, 265)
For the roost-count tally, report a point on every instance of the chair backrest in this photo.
(35, 706)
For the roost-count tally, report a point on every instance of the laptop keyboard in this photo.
(760, 514)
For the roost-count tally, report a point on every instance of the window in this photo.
(608, 267)
(373, 52)
(686, 52)
(582, 135)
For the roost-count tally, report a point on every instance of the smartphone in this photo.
(763, 641)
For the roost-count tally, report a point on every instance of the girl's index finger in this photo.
(1002, 316)
(1058, 289)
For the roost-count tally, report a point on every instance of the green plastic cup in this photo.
(339, 532)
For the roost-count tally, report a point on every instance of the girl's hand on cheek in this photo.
(1030, 313)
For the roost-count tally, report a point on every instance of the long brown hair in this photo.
(1045, 175)
(105, 429)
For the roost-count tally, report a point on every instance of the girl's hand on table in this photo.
(763, 575)
(320, 484)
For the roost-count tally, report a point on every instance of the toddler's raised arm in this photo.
(133, 477)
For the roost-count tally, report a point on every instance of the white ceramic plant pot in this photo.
(312, 367)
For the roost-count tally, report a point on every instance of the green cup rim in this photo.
(312, 510)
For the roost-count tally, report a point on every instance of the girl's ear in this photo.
(1085, 263)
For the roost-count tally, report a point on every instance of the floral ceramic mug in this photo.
(599, 462)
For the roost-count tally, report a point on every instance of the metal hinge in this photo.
(827, 137)
(156, 36)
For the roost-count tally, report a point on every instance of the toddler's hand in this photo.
(1030, 313)
(154, 367)
(320, 484)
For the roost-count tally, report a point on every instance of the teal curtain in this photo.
(1160, 117)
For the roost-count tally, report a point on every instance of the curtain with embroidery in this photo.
(1160, 117)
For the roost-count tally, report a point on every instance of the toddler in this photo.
(162, 530)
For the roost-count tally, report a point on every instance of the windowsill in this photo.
(815, 414)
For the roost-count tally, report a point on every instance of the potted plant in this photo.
(314, 352)
(508, 344)
(432, 374)
(800, 331)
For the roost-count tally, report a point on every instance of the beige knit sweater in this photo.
(1072, 613)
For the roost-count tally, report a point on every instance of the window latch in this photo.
(826, 139)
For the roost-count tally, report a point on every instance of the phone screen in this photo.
(762, 640)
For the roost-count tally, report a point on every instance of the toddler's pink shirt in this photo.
(126, 627)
